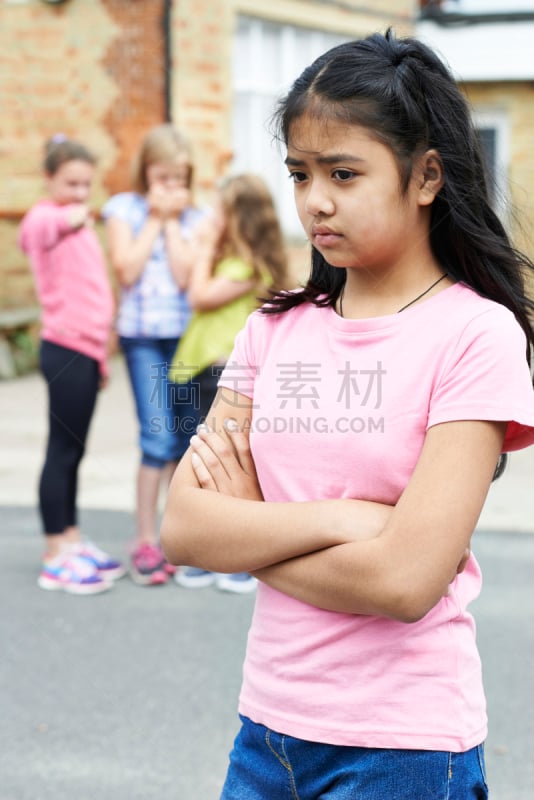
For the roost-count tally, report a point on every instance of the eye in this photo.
(297, 177)
(343, 175)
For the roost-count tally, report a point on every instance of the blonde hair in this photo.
(252, 229)
(162, 144)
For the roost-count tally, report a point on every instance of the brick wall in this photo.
(202, 82)
(52, 80)
(94, 69)
(135, 61)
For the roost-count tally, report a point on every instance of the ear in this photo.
(429, 177)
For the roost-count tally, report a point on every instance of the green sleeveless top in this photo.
(209, 337)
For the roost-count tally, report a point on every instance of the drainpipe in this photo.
(167, 58)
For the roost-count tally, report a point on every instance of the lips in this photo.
(323, 236)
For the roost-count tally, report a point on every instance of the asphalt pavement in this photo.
(132, 695)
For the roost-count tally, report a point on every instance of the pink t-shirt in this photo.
(340, 410)
(71, 279)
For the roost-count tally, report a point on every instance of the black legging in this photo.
(72, 380)
(207, 384)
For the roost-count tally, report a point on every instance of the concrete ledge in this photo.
(16, 357)
(13, 318)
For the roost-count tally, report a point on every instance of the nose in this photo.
(173, 182)
(81, 193)
(318, 200)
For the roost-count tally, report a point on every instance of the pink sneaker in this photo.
(170, 569)
(147, 565)
(70, 573)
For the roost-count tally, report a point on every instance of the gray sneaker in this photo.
(194, 577)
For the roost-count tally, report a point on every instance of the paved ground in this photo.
(132, 695)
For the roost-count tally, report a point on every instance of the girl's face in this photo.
(348, 195)
(71, 183)
(169, 174)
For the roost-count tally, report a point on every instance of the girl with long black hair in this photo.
(355, 436)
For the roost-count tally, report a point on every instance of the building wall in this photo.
(135, 62)
(203, 33)
(94, 69)
(201, 82)
(517, 102)
(350, 16)
(52, 80)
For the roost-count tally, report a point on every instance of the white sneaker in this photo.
(236, 582)
(194, 577)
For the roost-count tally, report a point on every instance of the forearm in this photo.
(202, 295)
(179, 253)
(53, 223)
(376, 573)
(348, 578)
(200, 287)
(347, 556)
(206, 292)
(227, 534)
(131, 257)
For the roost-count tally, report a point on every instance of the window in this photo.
(267, 59)
(492, 127)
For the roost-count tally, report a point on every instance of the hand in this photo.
(79, 215)
(167, 203)
(207, 234)
(157, 199)
(225, 464)
(177, 200)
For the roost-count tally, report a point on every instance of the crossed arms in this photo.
(350, 556)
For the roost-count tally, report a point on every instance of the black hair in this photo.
(402, 92)
(59, 149)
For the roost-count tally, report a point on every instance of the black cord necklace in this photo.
(419, 296)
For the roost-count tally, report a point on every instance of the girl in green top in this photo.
(240, 254)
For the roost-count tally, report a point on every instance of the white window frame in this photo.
(498, 121)
(256, 90)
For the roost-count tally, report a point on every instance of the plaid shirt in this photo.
(154, 307)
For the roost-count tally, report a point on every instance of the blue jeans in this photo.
(265, 765)
(165, 410)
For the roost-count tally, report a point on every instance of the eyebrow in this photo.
(331, 159)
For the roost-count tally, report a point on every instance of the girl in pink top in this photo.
(358, 427)
(77, 312)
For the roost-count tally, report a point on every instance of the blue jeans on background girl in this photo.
(166, 410)
(265, 765)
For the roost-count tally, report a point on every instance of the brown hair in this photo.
(162, 144)
(59, 149)
(252, 227)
